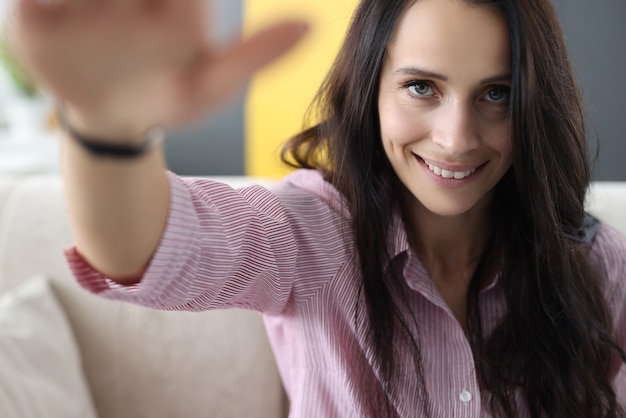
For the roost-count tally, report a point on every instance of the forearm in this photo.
(119, 71)
(117, 208)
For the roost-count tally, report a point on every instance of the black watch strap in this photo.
(104, 148)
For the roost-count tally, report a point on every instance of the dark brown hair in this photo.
(555, 341)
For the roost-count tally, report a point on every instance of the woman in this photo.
(533, 224)
(435, 259)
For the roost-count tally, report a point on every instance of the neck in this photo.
(449, 246)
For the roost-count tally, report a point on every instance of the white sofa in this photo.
(141, 363)
(137, 363)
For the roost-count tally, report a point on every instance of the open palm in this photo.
(122, 66)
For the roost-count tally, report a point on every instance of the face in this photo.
(443, 104)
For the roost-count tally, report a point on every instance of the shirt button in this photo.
(465, 396)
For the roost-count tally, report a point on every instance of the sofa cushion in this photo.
(41, 367)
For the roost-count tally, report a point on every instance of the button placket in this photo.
(468, 391)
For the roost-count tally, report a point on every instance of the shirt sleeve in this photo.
(220, 248)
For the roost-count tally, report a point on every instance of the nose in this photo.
(455, 128)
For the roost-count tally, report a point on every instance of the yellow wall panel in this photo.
(279, 96)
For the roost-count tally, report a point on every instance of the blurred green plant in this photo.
(19, 77)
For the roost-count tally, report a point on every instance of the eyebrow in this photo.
(417, 72)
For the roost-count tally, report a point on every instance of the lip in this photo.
(451, 182)
(449, 166)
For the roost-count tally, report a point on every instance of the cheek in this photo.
(503, 143)
(399, 126)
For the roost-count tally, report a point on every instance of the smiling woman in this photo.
(451, 121)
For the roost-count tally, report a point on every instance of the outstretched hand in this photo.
(122, 66)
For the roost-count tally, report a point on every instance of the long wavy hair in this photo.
(555, 341)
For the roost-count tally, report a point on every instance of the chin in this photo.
(446, 206)
(448, 211)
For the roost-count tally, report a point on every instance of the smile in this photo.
(447, 174)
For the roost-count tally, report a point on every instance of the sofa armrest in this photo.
(607, 201)
(139, 362)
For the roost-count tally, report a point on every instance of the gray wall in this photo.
(596, 35)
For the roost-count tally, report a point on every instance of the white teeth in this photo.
(447, 174)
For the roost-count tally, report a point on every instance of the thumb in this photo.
(220, 76)
(262, 48)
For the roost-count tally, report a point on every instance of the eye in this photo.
(499, 94)
(420, 88)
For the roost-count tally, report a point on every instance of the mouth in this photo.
(448, 173)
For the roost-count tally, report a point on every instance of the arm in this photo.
(119, 68)
(117, 208)
(250, 248)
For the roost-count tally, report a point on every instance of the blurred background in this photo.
(244, 138)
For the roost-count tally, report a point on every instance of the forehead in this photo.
(451, 36)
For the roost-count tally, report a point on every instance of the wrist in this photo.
(100, 129)
(99, 145)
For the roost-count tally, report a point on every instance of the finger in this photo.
(242, 61)
(222, 76)
(28, 7)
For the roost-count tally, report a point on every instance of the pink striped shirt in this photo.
(285, 252)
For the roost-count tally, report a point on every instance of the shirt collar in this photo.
(401, 254)
(398, 242)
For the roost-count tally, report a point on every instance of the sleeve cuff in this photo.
(169, 257)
